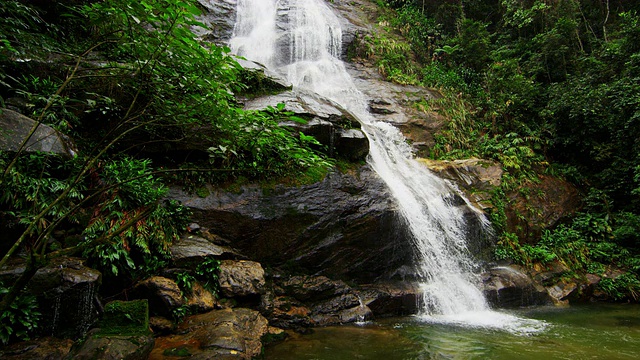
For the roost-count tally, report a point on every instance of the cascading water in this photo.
(301, 39)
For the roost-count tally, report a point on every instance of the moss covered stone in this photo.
(125, 318)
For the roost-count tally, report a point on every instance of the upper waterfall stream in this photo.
(302, 39)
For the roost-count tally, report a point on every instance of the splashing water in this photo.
(302, 40)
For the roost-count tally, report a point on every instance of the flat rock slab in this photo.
(193, 249)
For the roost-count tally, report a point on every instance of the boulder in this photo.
(15, 128)
(122, 333)
(391, 299)
(313, 288)
(241, 278)
(333, 126)
(164, 295)
(200, 300)
(219, 334)
(510, 286)
(66, 291)
(540, 205)
(285, 312)
(191, 250)
(45, 348)
(113, 347)
(344, 227)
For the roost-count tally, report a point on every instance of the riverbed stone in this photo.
(219, 334)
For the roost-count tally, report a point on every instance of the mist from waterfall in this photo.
(302, 39)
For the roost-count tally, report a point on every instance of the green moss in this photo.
(178, 352)
(125, 318)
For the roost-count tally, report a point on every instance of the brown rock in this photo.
(200, 299)
(164, 295)
(537, 206)
(241, 278)
(220, 334)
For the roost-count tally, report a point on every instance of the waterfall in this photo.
(302, 40)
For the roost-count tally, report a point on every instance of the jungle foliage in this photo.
(125, 79)
(541, 86)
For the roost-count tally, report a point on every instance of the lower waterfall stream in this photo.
(302, 39)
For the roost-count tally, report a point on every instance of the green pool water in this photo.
(578, 332)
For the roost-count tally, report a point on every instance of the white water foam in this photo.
(301, 39)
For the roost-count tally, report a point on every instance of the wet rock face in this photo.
(344, 227)
(65, 290)
(219, 18)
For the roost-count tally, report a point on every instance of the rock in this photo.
(220, 334)
(285, 312)
(164, 295)
(113, 347)
(313, 288)
(191, 250)
(537, 206)
(122, 333)
(391, 299)
(125, 318)
(45, 348)
(477, 177)
(200, 300)
(65, 290)
(509, 286)
(161, 326)
(260, 80)
(219, 17)
(345, 226)
(334, 127)
(15, 128)
(241, 278)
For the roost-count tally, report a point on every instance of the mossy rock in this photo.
(125, 318)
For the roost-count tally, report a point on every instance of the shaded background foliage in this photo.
(541, 86)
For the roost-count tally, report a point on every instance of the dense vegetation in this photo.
(542, 87)
(146, 104)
